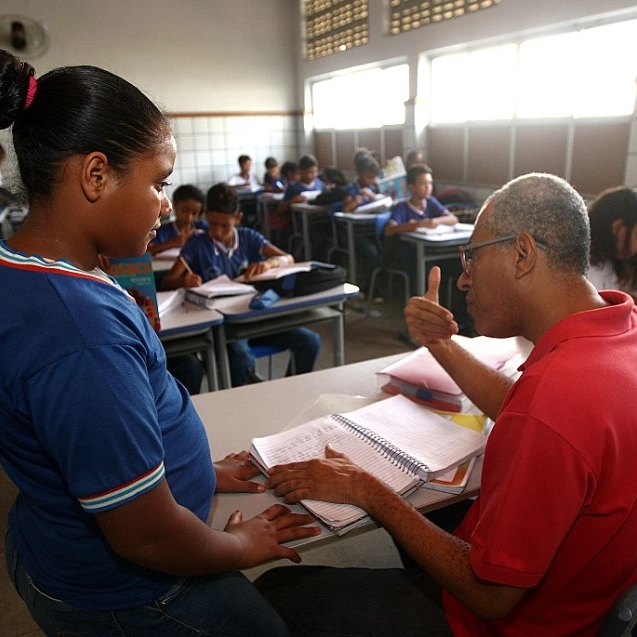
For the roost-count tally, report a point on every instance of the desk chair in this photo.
(386, 267)
(259, 351)
(622, 617)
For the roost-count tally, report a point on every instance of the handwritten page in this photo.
(423, 434)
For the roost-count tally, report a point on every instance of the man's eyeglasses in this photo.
(466, 251)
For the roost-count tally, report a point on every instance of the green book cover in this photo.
(135, 275)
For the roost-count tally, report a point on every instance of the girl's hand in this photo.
(234, 473)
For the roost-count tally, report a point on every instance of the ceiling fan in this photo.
(24, 37)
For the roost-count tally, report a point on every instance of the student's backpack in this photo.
(322, 276)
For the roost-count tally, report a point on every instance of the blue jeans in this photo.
(225, 604)
(304, 345)
(355, 602)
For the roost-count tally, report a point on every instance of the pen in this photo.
(186, 265)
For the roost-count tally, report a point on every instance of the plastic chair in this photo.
(622, 617)
(381, 221)
(261, 350)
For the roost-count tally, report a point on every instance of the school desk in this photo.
(309, 215)
(355, 223)
(266, 205)
(235, 416)
(239, 321)
(435, 247)
(188, 328)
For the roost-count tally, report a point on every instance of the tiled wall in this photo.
(208, 145)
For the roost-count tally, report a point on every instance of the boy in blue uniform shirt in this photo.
(230, 249)
(188, 204)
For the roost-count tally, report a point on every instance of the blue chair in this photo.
(387, 268)
(622, 617)
(259, 351)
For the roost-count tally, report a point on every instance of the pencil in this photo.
(186, 265)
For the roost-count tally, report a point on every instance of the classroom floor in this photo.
(371, 330)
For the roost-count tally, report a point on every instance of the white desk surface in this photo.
(234, 416)
(236, 308)
(189, 318)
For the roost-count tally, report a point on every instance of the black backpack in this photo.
(322, 276)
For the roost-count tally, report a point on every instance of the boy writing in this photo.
(227, 248)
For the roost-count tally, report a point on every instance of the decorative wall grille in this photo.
(406, 15)
(332, 26)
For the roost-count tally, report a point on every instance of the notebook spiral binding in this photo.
(397, 456)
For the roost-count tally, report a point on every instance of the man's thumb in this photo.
(433, 284)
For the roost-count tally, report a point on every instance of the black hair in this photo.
(222, 198)
(271, 162)
(187, 192)
(609, 206)
(334, 176)
(243, 159)
(365, 163)
(288, 167)
(413, 172)
(307, 161)
(75, 110)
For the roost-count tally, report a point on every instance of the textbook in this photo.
(136, 276)
(421, 377)
(453, 481)
(397, 440)
(220, 286)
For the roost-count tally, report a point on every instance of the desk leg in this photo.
(211, 366)
(351, 254)
(222, 356)
(338, 337)
(307, 245)
(421, 269)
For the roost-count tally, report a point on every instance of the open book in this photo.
(400, 442)
(461, 228)
(284, 270)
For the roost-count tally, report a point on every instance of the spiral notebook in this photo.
(399, 441)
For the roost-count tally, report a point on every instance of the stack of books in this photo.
(402, 443)
(420, 377)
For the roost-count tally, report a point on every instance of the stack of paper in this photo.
(420, 377)
(221, 286)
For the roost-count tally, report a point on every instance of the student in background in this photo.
(613, 218)
(272, 180)
(245, 178)
(414, 157)
(230, 249)
(289, 173)
(188, 202)
(421, 210)
(108, 534)
(555, 521)
(308, 180)
(363, 189)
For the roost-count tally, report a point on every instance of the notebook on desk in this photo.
(400, 442)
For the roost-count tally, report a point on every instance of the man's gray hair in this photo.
(551, 210)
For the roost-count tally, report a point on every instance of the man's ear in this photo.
(238, 217)
(526, 250)
(94, 175)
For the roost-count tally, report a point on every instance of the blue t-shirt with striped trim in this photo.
(89, 420)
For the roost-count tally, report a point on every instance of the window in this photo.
(331, 26)
(362, 99)
(587, 73)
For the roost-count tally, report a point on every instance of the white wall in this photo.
(189, 55)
